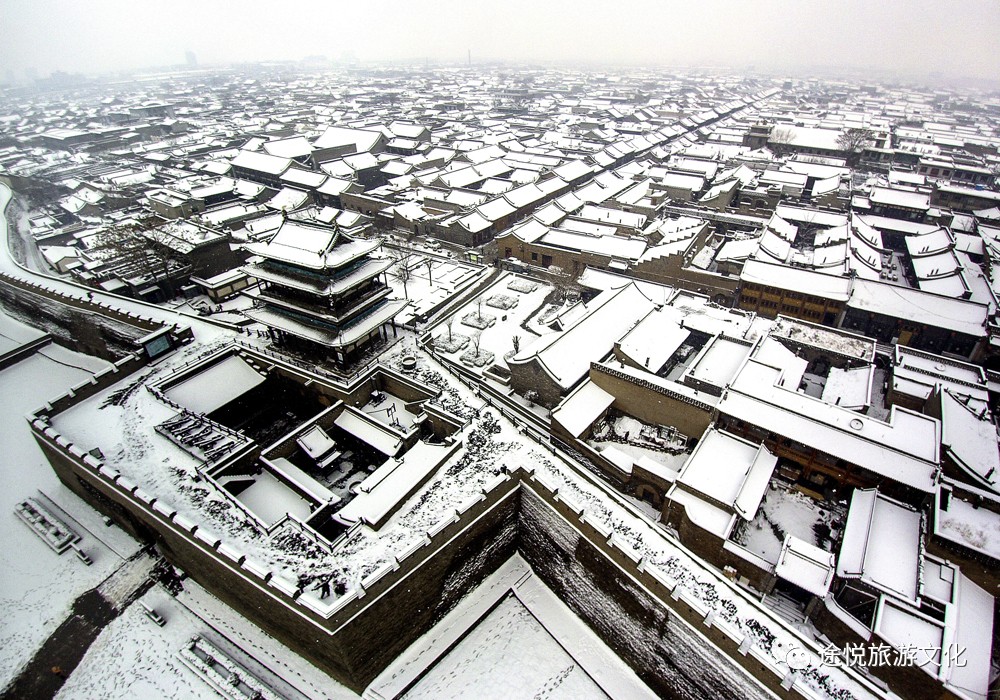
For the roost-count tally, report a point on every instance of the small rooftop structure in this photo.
(581, 408)
(318, 445)
(805, 565)
(726, 476)
(882, 544)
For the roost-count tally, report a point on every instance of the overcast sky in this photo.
(907, 37)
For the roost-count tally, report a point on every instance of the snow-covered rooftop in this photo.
(907, 304)
(313, 246)
(729, 471)
(653, 340)
(905, 448)
(916, 372)
(567, 355)
(718, 361)
(882, 544)
(796, 279)
(805, 565)
(579, 410)
(215, 385)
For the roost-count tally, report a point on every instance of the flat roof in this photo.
(904, 449)
(730, 470)
(882, 544)
(216, 385)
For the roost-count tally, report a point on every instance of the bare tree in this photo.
(475, 342)
(516, 340)
(127, 248)
(854, 140)
(479, 309)
(430, 264)
(568, 289)
(402, 273)
(780, 141)
(447, 324)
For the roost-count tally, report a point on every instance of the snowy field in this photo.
(270, 659)
(38, 586)
(507, 655)
(133, 659)
(510, 637)
(14, 334)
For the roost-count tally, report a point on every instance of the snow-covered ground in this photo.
(510, 637)
(38, 586)
(634, 438)
(261, 653)
(786, 511)
(508, 655)
(134, 659)
(498, 337)
(432, 281)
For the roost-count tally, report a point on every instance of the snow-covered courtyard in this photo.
(431, 281)
(787, 511)
(493, 325)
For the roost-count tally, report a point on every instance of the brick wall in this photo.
(652, 406)
(367, 631)
(88, 326)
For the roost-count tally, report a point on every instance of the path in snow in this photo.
(51, 665)
(38, 586)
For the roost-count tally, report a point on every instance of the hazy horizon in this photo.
(906, 38)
